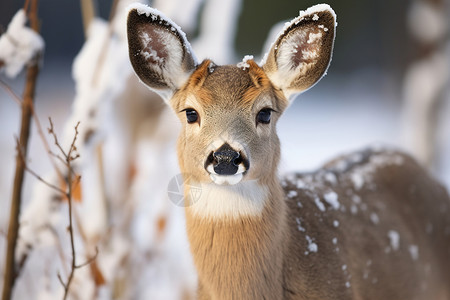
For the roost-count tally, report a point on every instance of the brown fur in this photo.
(240, 259)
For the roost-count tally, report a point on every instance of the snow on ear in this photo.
(301, 54)
(159, 51)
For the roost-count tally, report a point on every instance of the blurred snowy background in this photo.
(388, 83)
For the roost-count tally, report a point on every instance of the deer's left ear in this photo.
(301, 54)
(159, 51)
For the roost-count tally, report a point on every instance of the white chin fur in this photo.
(226, 179)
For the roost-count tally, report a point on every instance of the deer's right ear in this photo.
(159, 51)
(301, 53)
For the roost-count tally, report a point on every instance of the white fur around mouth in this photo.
(225, 179)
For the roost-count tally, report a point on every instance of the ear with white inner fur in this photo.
(301, 54)
(159, 51)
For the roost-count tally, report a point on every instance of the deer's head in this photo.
(229, 113)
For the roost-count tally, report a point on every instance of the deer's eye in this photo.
(264, 116)
(191, 116)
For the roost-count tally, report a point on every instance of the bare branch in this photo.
(13, 229)
(62, 281)
(54, 187)
(72, 146)
(51, 131)
(90, 260)
(13, 95)
(45, 143)
(29, 170)
(70, 183)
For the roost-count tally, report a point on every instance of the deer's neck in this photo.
(236, 235)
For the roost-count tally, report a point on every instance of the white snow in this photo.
(322, 27)
(336, 223)
(211, 67)
(332, 199)
(312, 247)
(319, 204)
(358, 180)
(300, 184)
(40, 215)
(244, 63)
(334, 240)
(299, 224)
(394, 239)
(19, 45)
(292, 194)
(414, 251)
(331, 178)
(356, 199)
(374, 218)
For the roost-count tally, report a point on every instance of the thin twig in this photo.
(69, 198)
(14, 96)
(29, 170)
(58, 157)
(62, 282)
(89, 261)
(73, 147)
(51, 131)
(45, 143)
(69, 158)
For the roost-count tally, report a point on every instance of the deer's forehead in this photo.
(229, 88)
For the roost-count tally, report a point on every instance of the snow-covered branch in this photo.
(20, 46)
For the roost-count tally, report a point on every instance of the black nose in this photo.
(226, 160)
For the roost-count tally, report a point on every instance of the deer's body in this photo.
(372, 225)
(386, 237)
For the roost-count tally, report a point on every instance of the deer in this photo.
(372, 224)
